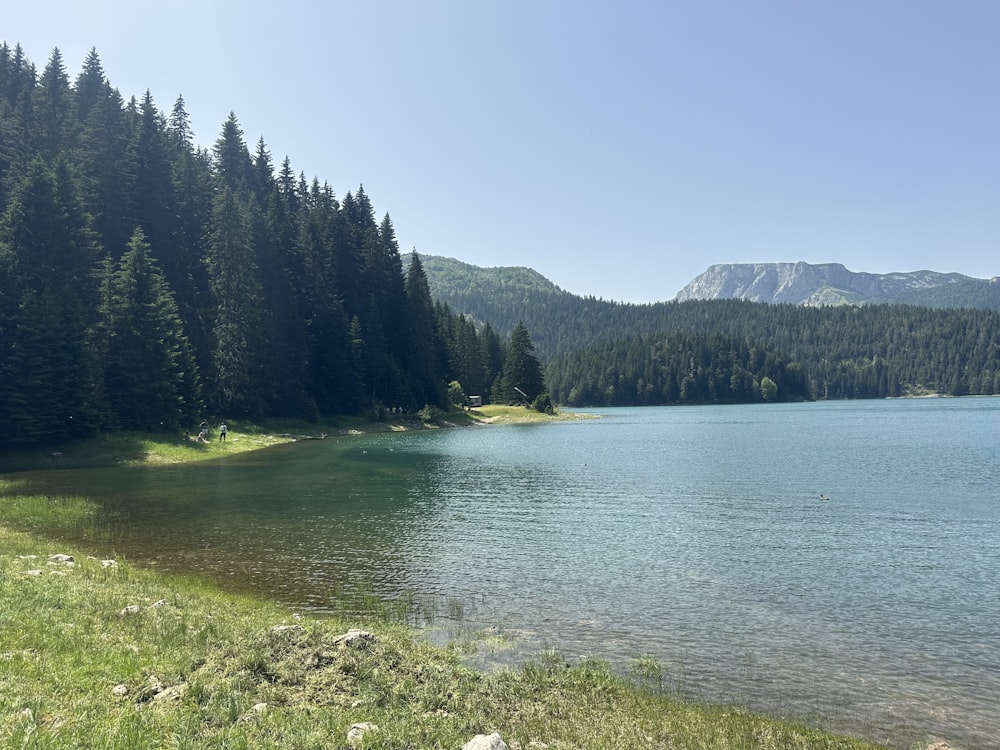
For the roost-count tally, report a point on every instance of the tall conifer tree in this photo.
(150, 373)
(55, 123)
(50, 387)
(422, 363)
(107, 174)
(236, 292)
(521, 370)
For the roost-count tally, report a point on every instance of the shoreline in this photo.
(156, 655)
(137, 448)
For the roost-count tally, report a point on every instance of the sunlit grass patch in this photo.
(503, 414)
(35, 512)
(128, 449)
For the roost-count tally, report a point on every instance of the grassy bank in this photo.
(101, 653)
(123, 448)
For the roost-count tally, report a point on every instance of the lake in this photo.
(692, 536)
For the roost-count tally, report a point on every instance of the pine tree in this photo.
(333, 381)
(284, 359)
(383, 270)
(236, 292)
(103, 160)
(427, 379)
(492, 358)
(467, 365)
(232, 159)
(50, 387)
(522, 373)
(55, 123)
(193, 189)
(18, 82)
(150, 373)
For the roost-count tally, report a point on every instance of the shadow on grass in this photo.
(111, 449)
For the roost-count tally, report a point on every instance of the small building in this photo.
(475, 401)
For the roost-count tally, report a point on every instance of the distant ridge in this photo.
(560, 321)
(832, 284)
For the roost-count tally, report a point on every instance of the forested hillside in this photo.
(146, 283)
(675, 368)
(559, 321)
(600, 352)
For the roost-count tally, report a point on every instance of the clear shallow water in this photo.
(693, 535)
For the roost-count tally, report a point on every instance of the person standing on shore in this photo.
(222, 432)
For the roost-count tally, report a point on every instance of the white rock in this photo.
(60, 558)
(359, 730)
(131, 609)
(172, 693)
(287, 629)
(109, 563)
(354, 638)
(120, 691)
(159, 604)
(485, 742)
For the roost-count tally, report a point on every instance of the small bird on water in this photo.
(823, 498)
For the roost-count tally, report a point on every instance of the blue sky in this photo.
(617, 148)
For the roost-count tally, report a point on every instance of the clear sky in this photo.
(618, 148)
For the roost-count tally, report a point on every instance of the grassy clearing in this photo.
(129, 448)
(497, 414)
(101, 654)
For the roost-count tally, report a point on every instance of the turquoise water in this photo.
(692, 535)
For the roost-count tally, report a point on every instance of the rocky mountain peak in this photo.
(825, 284)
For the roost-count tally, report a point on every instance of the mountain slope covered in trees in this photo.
(145, 283)
(590, 345)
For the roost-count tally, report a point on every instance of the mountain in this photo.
(465, 282)
(612, 353)
(558, 321)
(832, 284)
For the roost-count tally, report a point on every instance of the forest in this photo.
(146, 283)
(604, 353)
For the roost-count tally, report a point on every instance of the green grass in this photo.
(498, 414)
(77, 672)
(126, 448)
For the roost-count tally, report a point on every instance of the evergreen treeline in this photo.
(870, 351)
(674, 368)
(144, 280)
(842, 352)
